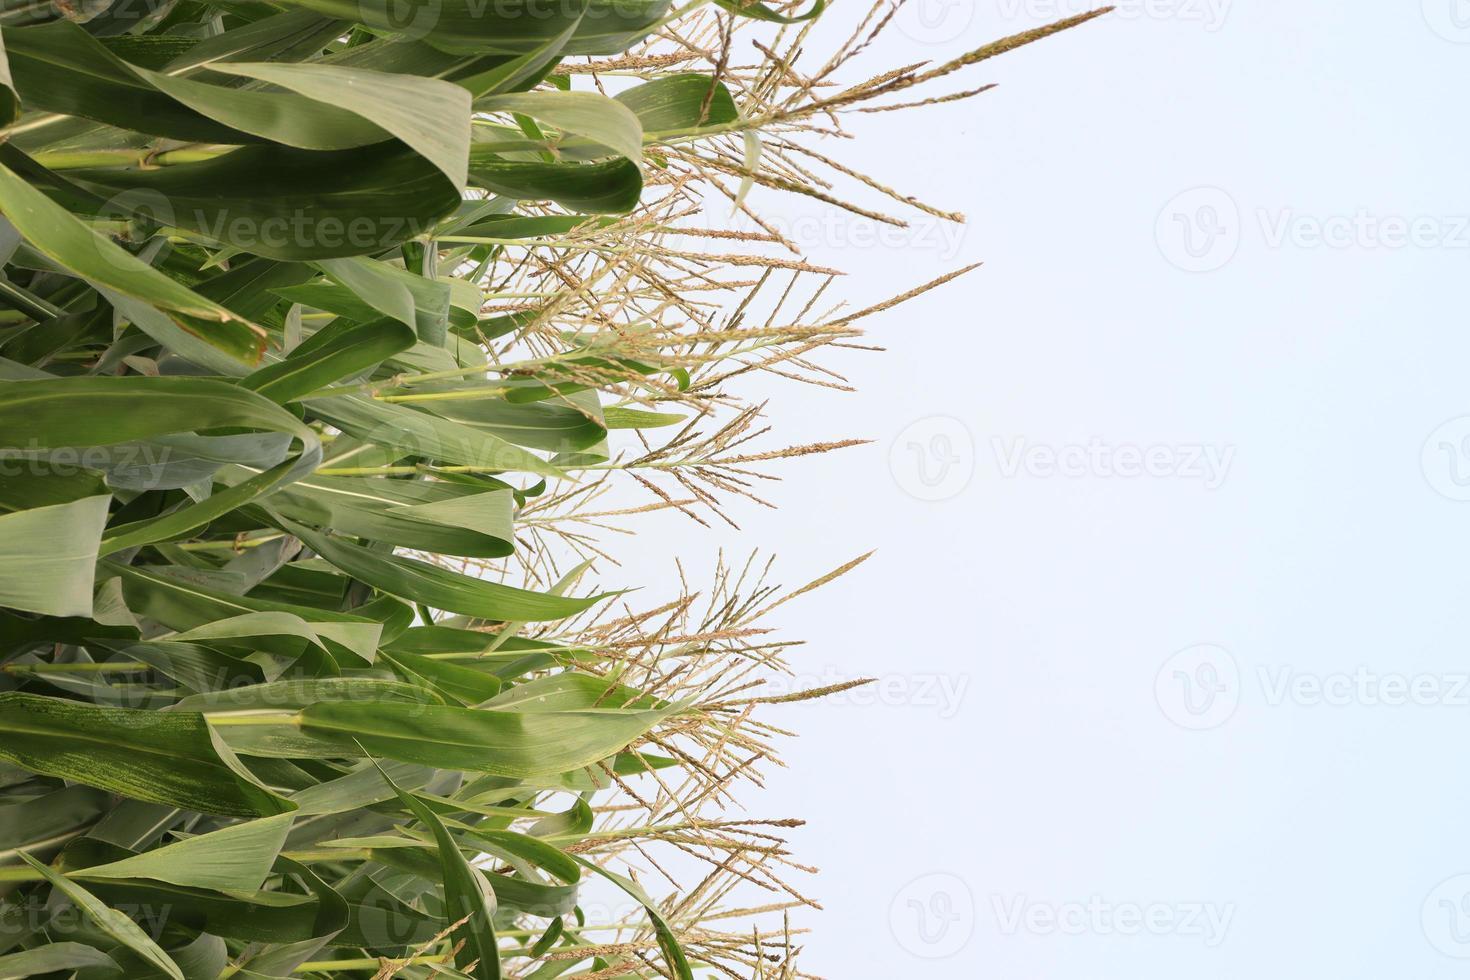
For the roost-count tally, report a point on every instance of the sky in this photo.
(1170, 502)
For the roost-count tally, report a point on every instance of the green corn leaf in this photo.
(116, 925)
(631, 418)
(54, 413)
(65, 240)
(510, 27)
(161, 757)
(760, 11)
(607, 187)
(418, 302)
(439, 588)
(234, 858)
(467, 896)
(59, 67)
(507, 743)
(287, 203)
(430, 115)
(60, 412)
(571, 691)
(56, 958)
(340, 350)
(421, 433)
(447, 519)
(680, 102)
(48, 557)
(182, 603)
(301, 692)
(465, 685)
(361, 637)
(9, 98)
(674, 958)
(587, 114)
(44, 823)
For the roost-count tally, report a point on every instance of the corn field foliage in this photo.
(343, 342)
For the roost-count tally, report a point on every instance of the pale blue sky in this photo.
(1038, 567)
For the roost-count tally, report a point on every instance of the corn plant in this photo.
(324, 326)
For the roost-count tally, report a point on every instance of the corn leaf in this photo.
(161, 757)
(48, 556)
(116, 925)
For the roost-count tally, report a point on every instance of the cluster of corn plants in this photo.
(323, 324)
